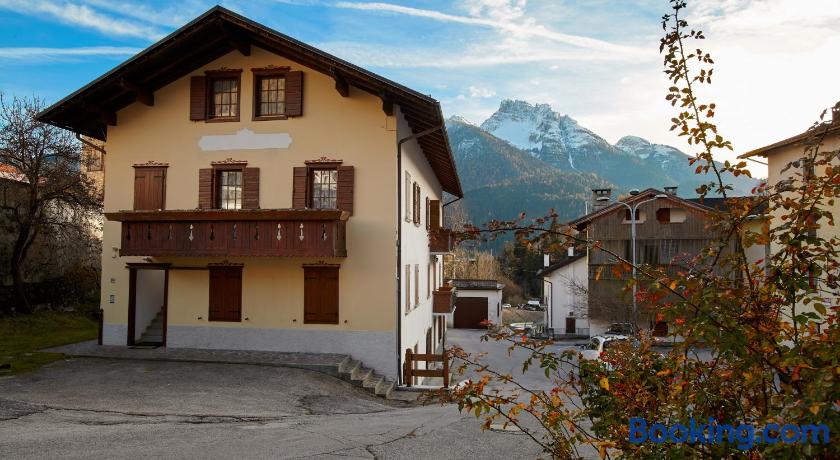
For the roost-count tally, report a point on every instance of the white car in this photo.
(594, 350)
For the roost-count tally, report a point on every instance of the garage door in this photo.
(470, 312)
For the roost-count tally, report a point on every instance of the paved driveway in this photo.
(100, 408)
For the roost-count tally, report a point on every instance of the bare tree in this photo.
(51, 197)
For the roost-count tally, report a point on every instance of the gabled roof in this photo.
(568, 260)
(648, 193)
(827, 129)
(9, 172)
(216, 33)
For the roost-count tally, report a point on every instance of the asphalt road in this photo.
(98, 408)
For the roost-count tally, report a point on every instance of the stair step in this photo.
(361, 375)
(373, 381)
(350, 369)
(384, 387)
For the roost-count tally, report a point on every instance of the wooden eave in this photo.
(228, 215)
(89, 110)
(615, 206)
(801, 138)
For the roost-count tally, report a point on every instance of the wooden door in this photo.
(225, 294)
(470, 312)
(570, 325)
(320, 295)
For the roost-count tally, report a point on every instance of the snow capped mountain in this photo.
(559, 140)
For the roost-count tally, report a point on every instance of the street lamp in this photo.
(633, 210)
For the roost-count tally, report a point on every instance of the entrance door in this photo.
(570, 325)
(470, 312)
(147, 304)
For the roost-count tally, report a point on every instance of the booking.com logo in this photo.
(743, 436)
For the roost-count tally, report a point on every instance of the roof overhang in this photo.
(799, 139)
(89, 110)
(646, 194)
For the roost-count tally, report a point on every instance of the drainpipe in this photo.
(399, 241)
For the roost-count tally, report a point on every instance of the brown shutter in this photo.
(198, 98)
(149, 188)
(205, 188)
(225, 294)
(299, 188)
(344, 200)
(320, 295)
(141, 184)
(251, 188)
(434, 214)
(428, 213)
(294, 94)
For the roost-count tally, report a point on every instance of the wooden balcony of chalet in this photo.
(254, 232)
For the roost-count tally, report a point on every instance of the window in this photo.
(225, 293)
(407, 288)
(324, 188)
(428, 213)
(224, 95)
(230, 189)
(416, 285)
(429, 280)
(149, 187)
(270, 96)
(320, 294)
(416, 204)
(627, 216)
(663, 215)
(93, 160)
(408, 196)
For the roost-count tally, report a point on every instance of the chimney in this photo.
(600, 198)
(571, 252)
(546, 260)
(671, 190)
(835, 113)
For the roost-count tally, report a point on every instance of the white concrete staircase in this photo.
(154, 333)
(354, 372)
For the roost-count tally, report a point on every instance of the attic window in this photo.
(223, 90)
(270, 93)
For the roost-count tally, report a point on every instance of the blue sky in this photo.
(595, 60)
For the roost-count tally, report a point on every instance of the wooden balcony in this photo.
(222, 233)
(440, 241)
(443, 299)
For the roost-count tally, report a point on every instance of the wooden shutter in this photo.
(408, 197)
(225, 294)
(198, 98)
(149, 188)
(320, 295)
(663, 215)
(407, 288)
(205, 188)
(416, 284)
(294, 94)
(299, 188)
(251, 188)
(434, 214)
(416, 204)
(344, 200)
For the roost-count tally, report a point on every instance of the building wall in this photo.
(415, 244)
(567, 295)
(494, 304)
(352, 129)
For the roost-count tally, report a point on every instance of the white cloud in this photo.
(82, 15)
(504, 16)
(477, 91)
(31, 54)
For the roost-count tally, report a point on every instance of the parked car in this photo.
(533, 305)
(594, 350)
(521, 328)
(505, 305)
(623, 329)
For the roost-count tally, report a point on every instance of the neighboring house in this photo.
(565, 287)
(670, 231)
(261, 194)
(783, 153)
(476, 302)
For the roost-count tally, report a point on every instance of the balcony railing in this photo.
(264, 232)
(443, 299)
(440, 241)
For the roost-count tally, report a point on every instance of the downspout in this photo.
(399, 241)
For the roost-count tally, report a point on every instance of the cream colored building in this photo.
(792, 150)
(261, 194)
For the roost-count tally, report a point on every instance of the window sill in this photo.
(270, 118)
(321, 322)
(224, 320)
(222, 120)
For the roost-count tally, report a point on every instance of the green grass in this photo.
(22, 336)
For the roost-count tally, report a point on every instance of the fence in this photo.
(409, 371)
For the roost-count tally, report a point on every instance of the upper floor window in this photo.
(324, 186)
(269, 95)
(150, 186)
(230, 189)
(224, 96)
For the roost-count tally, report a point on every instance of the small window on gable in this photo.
(639, 216)
(269, 93)
(223, 90)
(663, 215)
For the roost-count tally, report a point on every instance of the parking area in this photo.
(103, 408)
